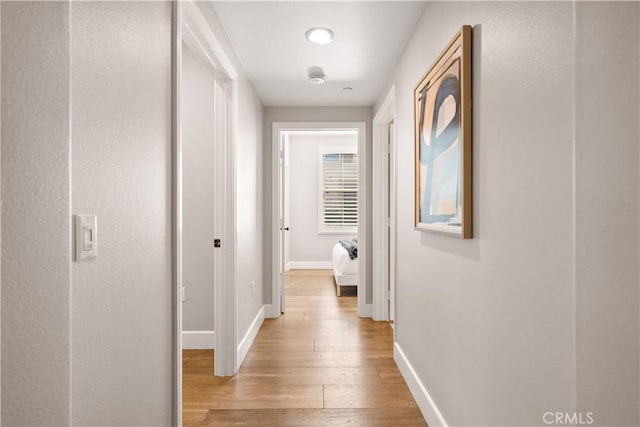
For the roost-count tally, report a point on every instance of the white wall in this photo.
(490, 324)
(198, 135)
(606, 196)
(305, 243)
(121, 131)
(35, 214)
(479, 318)
(309, 114)
(115, 60)
(249, 205)
(0, 219)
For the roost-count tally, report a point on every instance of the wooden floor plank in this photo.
(362, 396)
(193, 418)
(378, 417)
(308, 375)
(317, 365)
(328, 358)
(254, 396)
(390, 374)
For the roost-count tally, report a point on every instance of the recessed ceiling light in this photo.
(319, 35)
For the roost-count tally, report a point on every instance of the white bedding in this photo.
(342, 264)
(345, 269)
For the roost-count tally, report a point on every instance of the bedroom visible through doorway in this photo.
(321, 203)
(319, 177)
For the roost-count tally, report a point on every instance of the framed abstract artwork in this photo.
(442, 102)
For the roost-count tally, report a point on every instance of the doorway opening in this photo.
(324, 193)
(204, 217)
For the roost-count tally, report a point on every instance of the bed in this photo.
(345, 269)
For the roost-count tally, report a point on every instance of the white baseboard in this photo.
(198, 340)
(310, 265)
(270, 311)
(247, 340)
(427, 406)
(365, 311)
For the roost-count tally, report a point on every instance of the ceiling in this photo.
(269, 37)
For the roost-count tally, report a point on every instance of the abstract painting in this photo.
(442, 102)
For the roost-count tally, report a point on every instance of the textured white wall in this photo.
(305, 243)
(121, 109)
(0, 218)
(606, 193)
(35, 214)
(488, 323)
(121, 131)
(545, 297)
(198, 136)
(309, 114)
(249, 195)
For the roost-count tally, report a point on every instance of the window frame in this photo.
(323, 228)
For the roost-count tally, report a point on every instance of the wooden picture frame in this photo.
(442, 124)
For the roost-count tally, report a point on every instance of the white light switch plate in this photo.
(86, 228)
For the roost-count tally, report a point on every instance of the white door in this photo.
(199, 105)
(211, 81)
(287, 204)
(391, 201)
(283, 227)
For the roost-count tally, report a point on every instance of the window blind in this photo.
(340, 189)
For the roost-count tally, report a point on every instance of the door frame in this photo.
(190, 26)
(384, 256)
(277, 129)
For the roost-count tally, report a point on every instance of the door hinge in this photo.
(387, 222)
(388, 148)
(388, 295)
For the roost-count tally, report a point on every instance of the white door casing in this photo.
(384, 209)
(277, 278)
(391, 231)
(282, 218)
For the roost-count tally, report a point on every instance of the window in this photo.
(338, 192)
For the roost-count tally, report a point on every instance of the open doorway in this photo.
(204, 217)
(319, 221)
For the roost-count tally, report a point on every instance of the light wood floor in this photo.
(317, 365)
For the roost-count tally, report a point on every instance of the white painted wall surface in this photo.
(120, 368)
(0, 218)
(606, 155)
(305, 243)
(36, 214)
(309, 114)
(488, 323)
(121, 131)
(249, 158)
(197, 94)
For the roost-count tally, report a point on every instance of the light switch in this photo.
(86, 227)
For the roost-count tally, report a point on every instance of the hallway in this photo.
(317, 365)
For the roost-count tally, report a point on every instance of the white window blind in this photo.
(339, 190)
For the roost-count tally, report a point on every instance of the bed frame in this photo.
(344, 280)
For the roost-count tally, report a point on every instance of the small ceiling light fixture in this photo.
(316, 75)
(347, 89)
(319, 35)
